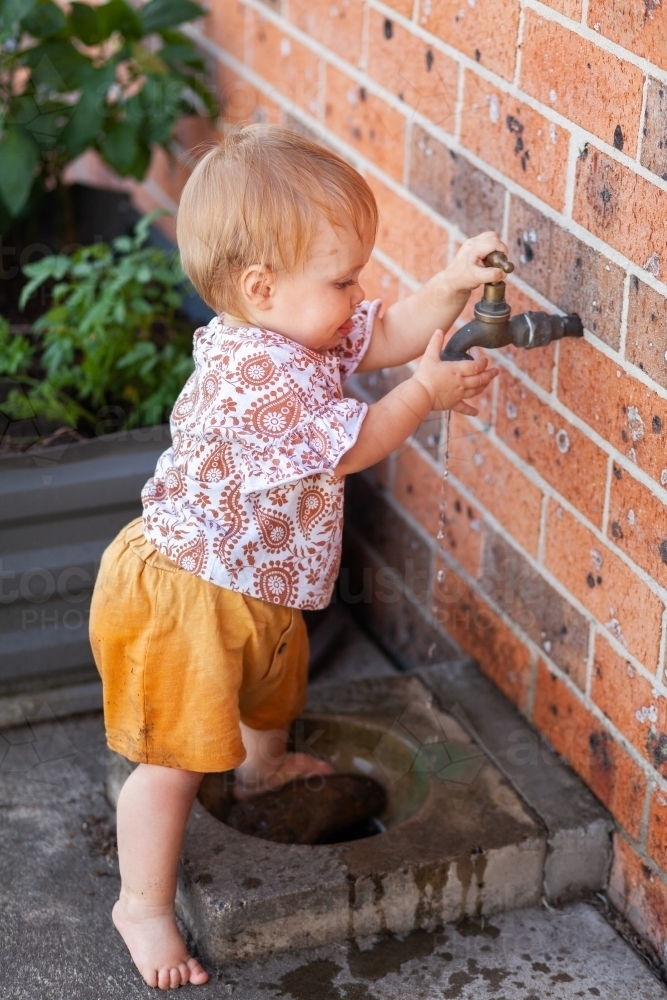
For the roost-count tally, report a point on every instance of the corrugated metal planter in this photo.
(59, 508)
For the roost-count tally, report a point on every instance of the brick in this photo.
(637, 523)
(637, 25)
(632, 703)
(365, 121)
(225, 25)
(569, 8)
(429, 434)
(240, 102)
(647, 331)
(410, 237)
(537, 364)
(448, 183)
(654, 129)
(389, 534)
(285, 62)
(566, 271)
(420, 489)
(378, 383)
(339, 26)
(486, 31)
(379, 283)
(628, 414)
(603, 94)
(515, 139)
(412, 70)
(482, 634)
(604, 584)
(562, 455)
(577, 735)
(656, 838)
(639, 893)
(530, 601)
(496, 483)
(623, 209)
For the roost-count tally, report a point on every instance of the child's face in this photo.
(313, 305)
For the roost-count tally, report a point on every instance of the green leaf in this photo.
(12, 13)
(159, 14)
(95, 24)
(84, 125)
(45, 19)
(147, 61)
(120, 146)
(19, 156)
(56, 65)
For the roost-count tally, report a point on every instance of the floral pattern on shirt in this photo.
(246, 496)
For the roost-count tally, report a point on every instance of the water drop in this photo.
(441, 575)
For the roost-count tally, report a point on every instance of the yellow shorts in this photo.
(183, 660)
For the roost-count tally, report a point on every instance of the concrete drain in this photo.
(459, 840)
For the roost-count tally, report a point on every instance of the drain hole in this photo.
(331, 809)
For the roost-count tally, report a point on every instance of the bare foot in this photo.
(292, 765)
(156, 946)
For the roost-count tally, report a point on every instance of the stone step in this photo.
(465, 837)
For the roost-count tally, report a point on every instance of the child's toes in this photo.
(184, 973)
(198, 974)
(174, 978)
(164, 978)
(150, 975)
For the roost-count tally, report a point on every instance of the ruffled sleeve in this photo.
(355, 343)
(282, 441)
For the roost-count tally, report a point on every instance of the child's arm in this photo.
(436, 385)
(407, 326)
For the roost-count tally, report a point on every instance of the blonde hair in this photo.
(259, 198)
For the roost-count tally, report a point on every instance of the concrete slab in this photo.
(59, 879)
(579, 827)
(473, 847)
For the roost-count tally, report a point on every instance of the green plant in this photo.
(112, 337)
(109, 77)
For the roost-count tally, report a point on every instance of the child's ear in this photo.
(258, 285)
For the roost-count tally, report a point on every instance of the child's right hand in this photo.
(450, 383)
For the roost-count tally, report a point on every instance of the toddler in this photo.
(196, 621)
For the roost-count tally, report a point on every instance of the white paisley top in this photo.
(246, 496)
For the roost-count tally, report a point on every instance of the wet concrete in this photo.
(59, 879)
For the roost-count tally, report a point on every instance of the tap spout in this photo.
(528, 330)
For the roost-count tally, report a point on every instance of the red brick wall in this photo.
(547, 122)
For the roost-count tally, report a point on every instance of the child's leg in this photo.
(268, 765)
(153, 809)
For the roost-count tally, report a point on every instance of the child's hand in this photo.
(467, 270)
(449, 383)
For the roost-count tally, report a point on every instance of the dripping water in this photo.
(442, 514)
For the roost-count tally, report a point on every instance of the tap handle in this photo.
(498, 259)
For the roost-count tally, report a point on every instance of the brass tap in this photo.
(492, 326)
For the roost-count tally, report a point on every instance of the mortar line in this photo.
(584, 13)
(606, 503)
(532, 686)
(373, 87)
(407, 153)
(542, 532)
(660, 672)
(248, 52)
(390, 265)
(365, 37)
(642, 119)
(519, 43)
(458, 104)
(625, 309)
(571, 174)
(592, 631)
(321, 89)
(651, 788)
(505, 229)
(524, 638)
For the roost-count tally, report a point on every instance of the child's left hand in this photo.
(467, 270)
